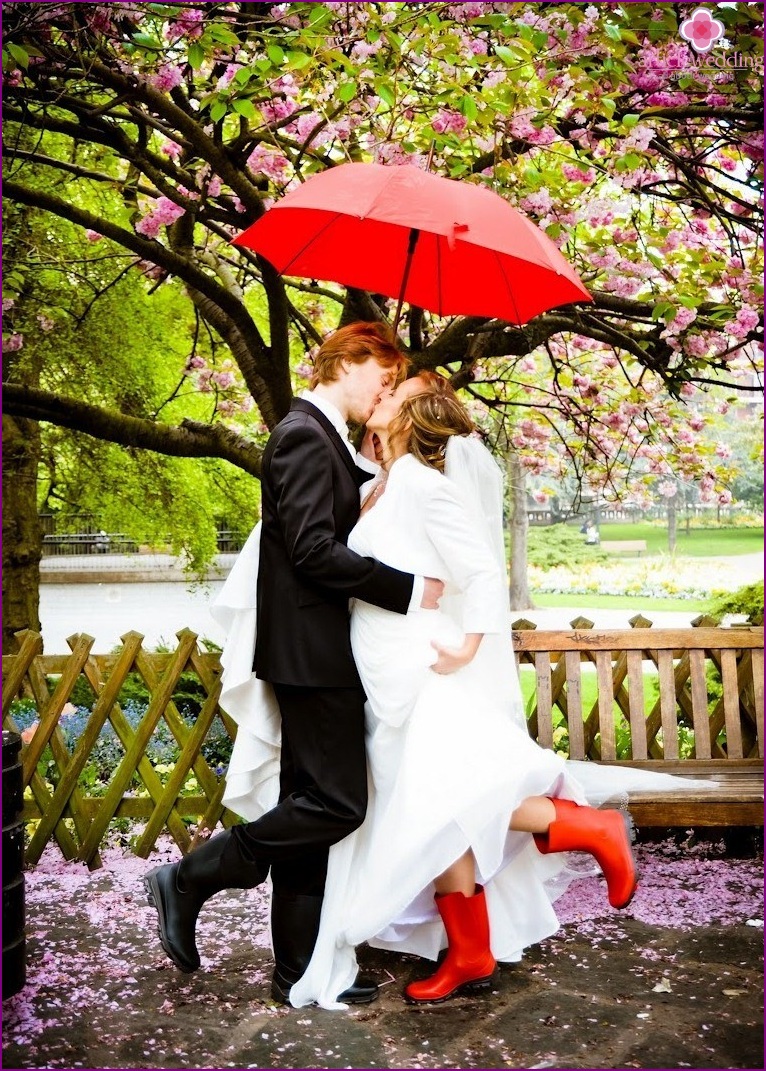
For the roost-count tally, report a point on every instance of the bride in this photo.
(466, 815)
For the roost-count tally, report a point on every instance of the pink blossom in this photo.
(93, 236)
(13, 342)
(45, 322)
(696, 422)
(8, 303)
(449, 122)
(681, 320)
(725, 498)
(576, 174)
(667, 100)
(264, 160)
(746, 320)
(688, 390)
(539, 202)
(27, 734)
(162, 214)
(723, 450)
(226, 78)
(187, 24)
(224, 380)
(171, 149)
(167, 77)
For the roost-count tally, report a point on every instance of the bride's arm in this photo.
(458, 539)
(453, 658)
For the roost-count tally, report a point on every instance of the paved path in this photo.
(607, 991)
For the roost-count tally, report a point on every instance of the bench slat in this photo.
(636, 705)
(668, 706)
(574, 706)
(702, 748)
(758, 695)
(606, 704)
(731, 704)
(544, 699)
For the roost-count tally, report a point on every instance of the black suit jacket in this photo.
(309, 504)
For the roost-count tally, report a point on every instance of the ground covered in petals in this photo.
(673, 981)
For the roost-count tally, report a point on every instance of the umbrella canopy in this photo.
(451, 247)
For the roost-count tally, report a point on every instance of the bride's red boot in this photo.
(602, 833)
(469, 964)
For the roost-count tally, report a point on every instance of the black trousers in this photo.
(323, 787)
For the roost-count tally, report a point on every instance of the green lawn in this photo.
(615, 602)
(699, 543)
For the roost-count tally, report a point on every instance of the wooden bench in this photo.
(624, 546)
(689, 729)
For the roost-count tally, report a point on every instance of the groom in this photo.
(309, 503)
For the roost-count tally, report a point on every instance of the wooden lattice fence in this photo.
(710, 684)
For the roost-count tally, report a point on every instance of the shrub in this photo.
(745, 600)
(560, 544)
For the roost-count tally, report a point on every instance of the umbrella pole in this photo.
(414, 235)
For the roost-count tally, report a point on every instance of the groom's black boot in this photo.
(179, 890)
(294, 929)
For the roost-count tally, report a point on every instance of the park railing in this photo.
(139, 737)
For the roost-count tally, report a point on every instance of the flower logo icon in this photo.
(701, 30)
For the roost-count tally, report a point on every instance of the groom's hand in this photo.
(432, 591)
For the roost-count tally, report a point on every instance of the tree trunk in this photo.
(519, 528)
(22, 534)
(672, 525)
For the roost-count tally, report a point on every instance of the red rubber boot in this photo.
(469, 964)
(605, 835)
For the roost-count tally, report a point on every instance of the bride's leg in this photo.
(563, 826)
(469, 963)
(533, 815)
(460, 877)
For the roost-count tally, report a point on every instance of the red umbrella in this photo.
(450, 247)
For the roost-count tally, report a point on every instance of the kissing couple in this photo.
(390, 788)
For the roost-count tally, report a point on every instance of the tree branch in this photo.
(190, 439)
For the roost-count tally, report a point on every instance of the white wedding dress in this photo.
(449, 756)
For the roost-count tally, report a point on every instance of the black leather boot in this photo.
(179, 890)
(294, 929)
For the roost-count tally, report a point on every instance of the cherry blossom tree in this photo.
(161, 130)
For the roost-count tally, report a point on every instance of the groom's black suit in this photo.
(309, 504)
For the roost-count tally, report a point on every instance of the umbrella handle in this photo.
(414, 235)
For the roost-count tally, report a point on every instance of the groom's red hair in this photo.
(358, 342)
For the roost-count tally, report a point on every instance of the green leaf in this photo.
(244, 107)
(218, 111)
(196, 55)
(608, 106)
(688, 301)
(243, 75)
(468, 107)
(346, 91)
(145, 40)
(613, 31)
(20, 55)
(275, 54)
(504, 53)
(630, 120)
(299, 60)
(385, 92)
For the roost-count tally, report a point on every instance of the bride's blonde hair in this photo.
(426, 420)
